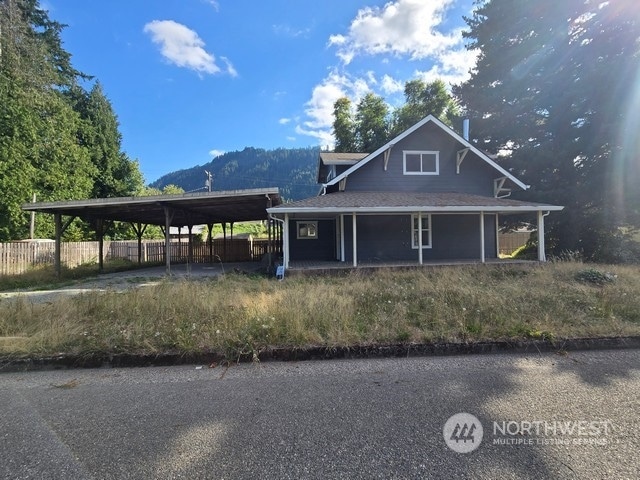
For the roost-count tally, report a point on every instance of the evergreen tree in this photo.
(554, 86)
(56, 140)
(344, 126)
(371, 125)
(422, 99)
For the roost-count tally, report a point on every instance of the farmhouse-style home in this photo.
(428, 195)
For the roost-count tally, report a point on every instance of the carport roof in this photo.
(188, 208)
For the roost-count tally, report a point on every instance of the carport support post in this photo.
(100, 234)
(224, 240)
(139, 229)
(58, 222)
(168, 217)
(210, 241)
(190, 246)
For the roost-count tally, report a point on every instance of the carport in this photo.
(188, 209)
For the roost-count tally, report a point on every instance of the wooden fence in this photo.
(17, 257)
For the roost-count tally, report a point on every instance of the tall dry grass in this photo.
(240, 314)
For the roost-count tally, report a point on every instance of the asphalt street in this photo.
(575, 415)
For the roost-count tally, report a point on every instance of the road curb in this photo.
(288, 354)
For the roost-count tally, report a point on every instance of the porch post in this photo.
(341, 237)
(541, 255)
(285, 241)
(482, 237)
(497, 237)
(419, 238)
(355, 240)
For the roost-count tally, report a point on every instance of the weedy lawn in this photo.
(240, 314)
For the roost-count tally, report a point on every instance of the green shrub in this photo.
(595, 277)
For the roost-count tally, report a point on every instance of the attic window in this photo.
(307, 230)
(421, 162)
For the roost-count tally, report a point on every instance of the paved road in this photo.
(331, 419)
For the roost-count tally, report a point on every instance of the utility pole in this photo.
(209, 182)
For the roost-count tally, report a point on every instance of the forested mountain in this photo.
(293, 171)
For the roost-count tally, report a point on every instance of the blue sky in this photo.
(190, 79)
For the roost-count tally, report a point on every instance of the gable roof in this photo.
(341, 158)
(409, 131)
(331, 159)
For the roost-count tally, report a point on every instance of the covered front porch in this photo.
(397, 230)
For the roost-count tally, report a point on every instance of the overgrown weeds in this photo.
(44, 277)
(242, 315)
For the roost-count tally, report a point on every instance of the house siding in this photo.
(476, 176)
(387, 238)
(321, 248)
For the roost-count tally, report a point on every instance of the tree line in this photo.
(59, 139)
(555, 93)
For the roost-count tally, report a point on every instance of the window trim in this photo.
(414, 243)
(300, 223)
(436, 153)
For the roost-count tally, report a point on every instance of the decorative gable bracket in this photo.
(498, 188)
(387, 153)
(343, 184)
(461, 154)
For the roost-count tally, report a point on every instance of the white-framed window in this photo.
(426, 231)
(307, 230)
(416, 162)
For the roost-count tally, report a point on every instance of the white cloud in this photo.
(401, 27)
(319, 109)
(183, 47)
(216, 153)
(453, 67)
(390, 85)
(291, 139)
(230, 68)
(214, 4)
(325, 138)
(284, 121)
(288, 31)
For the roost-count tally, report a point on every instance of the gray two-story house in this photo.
(428, 195)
